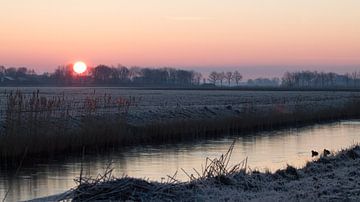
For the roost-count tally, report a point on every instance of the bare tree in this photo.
(102, 73)
(287, 79)
(2, 70)
(355, 76)
(2, 73)
(237, 77)
(134, 72)
(123, 73)
(229, 77)
(221, 77)
(213, 77)
(347, 79)
(197, 78)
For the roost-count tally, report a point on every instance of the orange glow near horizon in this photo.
(42, 34)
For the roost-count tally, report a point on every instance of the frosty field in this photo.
(174, 105)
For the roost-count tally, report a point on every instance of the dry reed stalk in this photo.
(31, 119)
(107, 187)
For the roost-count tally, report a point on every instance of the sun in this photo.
(79, 67)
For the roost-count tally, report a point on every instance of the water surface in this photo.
(265, 151)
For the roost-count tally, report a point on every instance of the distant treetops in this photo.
(167, 76)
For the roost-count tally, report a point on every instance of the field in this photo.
(154, 106)
(54, 120)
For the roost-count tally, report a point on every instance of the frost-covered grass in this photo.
(56, 121)
(156, 106)
(334, 177)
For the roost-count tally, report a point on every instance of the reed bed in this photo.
(48, 125)
(246, 121)
(38, 125)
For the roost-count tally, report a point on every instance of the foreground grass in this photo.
(334, 177)
(39, 126)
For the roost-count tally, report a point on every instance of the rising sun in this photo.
(79, 67)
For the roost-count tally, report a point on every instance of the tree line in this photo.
(233, 79)
(103, 74)
(221, 77)
(314, 79)
(167, 76)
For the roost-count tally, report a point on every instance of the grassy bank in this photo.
(40, 126)
(334, 177)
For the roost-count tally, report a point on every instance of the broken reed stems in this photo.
(231, 186)
(108, 187)
(220, 166)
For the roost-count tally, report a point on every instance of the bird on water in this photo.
(314, 153)
(326, 152)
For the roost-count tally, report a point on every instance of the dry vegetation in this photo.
(332, 177)
(108, 187)
(35, 124)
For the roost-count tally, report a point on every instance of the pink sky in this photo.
(42, 34)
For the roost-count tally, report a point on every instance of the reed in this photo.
(48, 126)
(110, 188)
(248, 121)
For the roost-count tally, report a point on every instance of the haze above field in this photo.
(262, 37)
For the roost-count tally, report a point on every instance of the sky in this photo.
(263, 36)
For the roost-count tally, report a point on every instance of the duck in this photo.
(314, 153)
(326, 152)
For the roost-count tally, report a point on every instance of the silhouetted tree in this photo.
(21, 72)
(102, 73)
(11, 71)
(2, 71)
(229, 77)
(134, 72)
(184, 77)
(63, 74)
(213, 77)
(123, 73)
(264, 82)
(305, 79)
(221, 77)
(355, 77)
(237, 77)
(197, 78)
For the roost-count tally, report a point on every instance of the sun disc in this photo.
(79, 67)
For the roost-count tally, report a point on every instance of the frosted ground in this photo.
(173, 105)
(332, 178)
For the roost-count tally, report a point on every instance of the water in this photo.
(265, 151)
